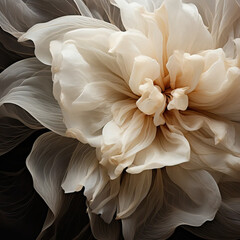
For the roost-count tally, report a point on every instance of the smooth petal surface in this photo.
(43, 34)
(186, 29)
(28, 84)
(128, 133)
(47, 166)
(190, 198)
(134, 188)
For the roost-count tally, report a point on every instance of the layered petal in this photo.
(167, 149)
(187, 31)
(47, 165)
(127, 134)
(28, 84)
(218, 86)
(134, 188)
(42, 34)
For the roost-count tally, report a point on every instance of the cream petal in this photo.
(28, 84)
(143, 67)
(218, 87)
(185, 70)
(206, 9)
(186, 29)
(129, 132)
(134, 188)
(105, 203)
(128, 45)
(17, 16)
(203, 191)
(47, 164)
(146, 210)
(190, 198)
(225, 26)
(87, 97)
(42, 34)
(167, 149)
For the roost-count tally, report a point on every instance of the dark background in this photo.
(22, 211)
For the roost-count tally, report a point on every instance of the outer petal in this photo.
(147, 209)
(186, 29)
(47, 164)
(43, 34)
(226, 224)
(167, 149)
(134, 188)
(87, 97)
(190, 198)
(28, 84)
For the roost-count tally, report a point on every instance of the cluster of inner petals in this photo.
(155, 101)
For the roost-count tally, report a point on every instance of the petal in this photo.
(226, 222)
(214, 143)
(146, 210)
(128, 133)
(47, 164)
(42, 34)
(167, 149)
(190, 198)
(225, 26)
(186, 29)
(87, 97)
(218, 87)
(102, 230)
(28, 84)
(134, 188)
(185, 70)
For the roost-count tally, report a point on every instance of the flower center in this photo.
(154, 101)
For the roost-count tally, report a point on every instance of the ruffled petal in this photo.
(190, 198)
(134, 188)
(128, 133)
(225, 26)
(87, 97)
(42, 34)
(186, 29)
(167, 149)
(147, 209)
(28, 84)
(47, 164)
(218, 87)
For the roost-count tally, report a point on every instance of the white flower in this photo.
(159, 105)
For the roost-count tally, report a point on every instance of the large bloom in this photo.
(144, 113)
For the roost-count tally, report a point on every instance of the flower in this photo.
(144, 114)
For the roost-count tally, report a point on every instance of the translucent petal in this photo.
(167, 149)
(190, 198)
(134, 188)
(186, 29)
(28, 84)
(47, 164)
(42, 34)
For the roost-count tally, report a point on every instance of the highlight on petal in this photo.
(186, 29)
(28, 85)
(133, 190)
(150, 106)
(167, 149)
(43, 33)
(47, 164)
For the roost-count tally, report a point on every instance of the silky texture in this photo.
(142, 97)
